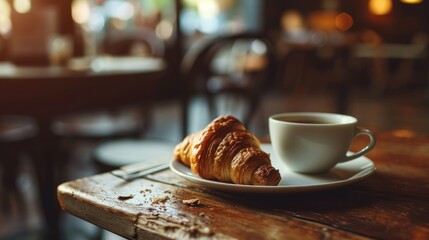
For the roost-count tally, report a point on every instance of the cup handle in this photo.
(365, 149)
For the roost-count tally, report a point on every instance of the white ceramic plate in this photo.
(342, 174)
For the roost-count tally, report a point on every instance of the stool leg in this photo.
(4, 193)
(44, 164)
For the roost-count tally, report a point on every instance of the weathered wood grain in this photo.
(154, 209)
(391, 204)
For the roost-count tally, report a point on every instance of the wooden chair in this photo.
(239, 67)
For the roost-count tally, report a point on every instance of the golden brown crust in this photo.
(227, 152)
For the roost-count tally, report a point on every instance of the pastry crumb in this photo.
(125, 197)
(191, 202)
(161, 199)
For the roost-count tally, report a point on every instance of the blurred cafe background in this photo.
(87, 86)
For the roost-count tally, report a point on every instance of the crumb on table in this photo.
(161, 199)
(125, 197)
(191, 202)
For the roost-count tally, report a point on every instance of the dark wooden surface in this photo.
(393, 203)
(46, 92)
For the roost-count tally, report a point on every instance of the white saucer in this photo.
(342, 174)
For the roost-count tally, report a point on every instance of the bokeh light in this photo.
(122, 10)
(343, 21)
(80, 11)
(208, 8)
(292, 20)
(164, 29)
(22, 6)
(412, 1)
(380, 7)
(5, 21)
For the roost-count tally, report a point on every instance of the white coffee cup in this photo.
(311, 142)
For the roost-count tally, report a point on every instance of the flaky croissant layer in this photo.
(225, 151)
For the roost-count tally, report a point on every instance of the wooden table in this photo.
(48, 91)
(393, 203)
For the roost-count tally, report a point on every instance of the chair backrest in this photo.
(238, 66)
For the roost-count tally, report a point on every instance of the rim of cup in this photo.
(340, 119)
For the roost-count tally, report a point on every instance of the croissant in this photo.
(225, 151)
